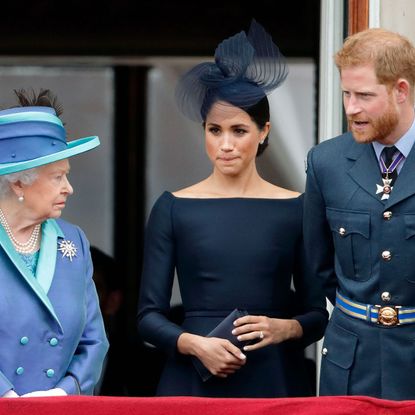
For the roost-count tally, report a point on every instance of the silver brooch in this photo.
(68, 249)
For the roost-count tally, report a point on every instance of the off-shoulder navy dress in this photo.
(229, 253)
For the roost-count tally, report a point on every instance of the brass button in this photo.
(342, 231)
(386, 255)
(385, 296)
(324, 351)
(387, 215)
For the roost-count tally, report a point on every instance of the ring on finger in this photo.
(261, 334)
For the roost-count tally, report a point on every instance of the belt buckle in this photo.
(388, 315)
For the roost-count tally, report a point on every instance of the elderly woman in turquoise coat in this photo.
(53, 340)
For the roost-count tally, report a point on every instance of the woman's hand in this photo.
(266, 330)
(49, 392)
(219, 356)
(10, 394)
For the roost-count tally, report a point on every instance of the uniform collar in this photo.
(404, 144)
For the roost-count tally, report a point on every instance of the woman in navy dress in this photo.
(235, 241)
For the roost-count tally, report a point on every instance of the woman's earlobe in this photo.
(263, 139)
(18, 190)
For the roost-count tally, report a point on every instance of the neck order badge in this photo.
(388, 169)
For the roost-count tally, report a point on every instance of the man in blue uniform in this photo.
(359, 222)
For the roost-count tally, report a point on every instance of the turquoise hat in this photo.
(34, 136)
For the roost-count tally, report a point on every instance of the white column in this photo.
(330, 101)
(331, 39)
(396, 15)
(374, 13)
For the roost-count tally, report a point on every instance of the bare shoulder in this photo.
(195, 190)
(276, 192)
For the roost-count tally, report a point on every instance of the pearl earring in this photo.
(20, 198)
(262, 141)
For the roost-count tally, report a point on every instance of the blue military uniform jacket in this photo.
(51, 329)
(363, 247)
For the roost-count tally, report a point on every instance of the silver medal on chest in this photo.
(385, 189)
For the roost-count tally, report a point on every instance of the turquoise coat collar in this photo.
(46, 264)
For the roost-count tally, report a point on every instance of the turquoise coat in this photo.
(51, 328)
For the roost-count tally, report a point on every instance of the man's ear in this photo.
(402, 90)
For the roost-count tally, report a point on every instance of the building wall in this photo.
(398, 16)
(86, 95)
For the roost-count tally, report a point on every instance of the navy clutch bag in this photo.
(224, 331)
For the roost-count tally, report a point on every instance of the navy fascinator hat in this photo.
(247, 67)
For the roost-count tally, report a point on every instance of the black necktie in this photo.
(387, 155)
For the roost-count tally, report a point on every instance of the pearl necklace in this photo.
(24, 248)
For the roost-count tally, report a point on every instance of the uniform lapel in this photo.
(25, 273)
(405, 183)
(365, 170)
